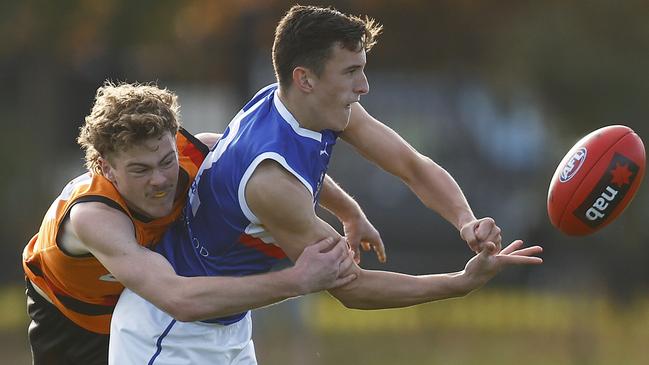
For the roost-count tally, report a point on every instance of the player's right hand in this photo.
(480, 233)
(325, 265)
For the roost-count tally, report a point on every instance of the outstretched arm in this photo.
(293, 223)
(188, 299)
(434, 186)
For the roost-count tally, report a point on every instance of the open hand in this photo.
(486, 264)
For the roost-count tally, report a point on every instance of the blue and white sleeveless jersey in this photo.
(218, 234)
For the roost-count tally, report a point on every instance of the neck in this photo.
(301, 109)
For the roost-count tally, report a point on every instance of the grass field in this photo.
(503, 327)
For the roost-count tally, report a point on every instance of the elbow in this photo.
(354, 304)
(184, 315)
(350, 301)
(179, 309)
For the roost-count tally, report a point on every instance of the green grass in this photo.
(500, 327)
(14, 308)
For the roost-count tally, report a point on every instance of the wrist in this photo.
(349, 212)
(468, 282)
(294, 281)
(464, 218)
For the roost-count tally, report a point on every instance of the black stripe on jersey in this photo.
(86, 199)
(85, 308)
(195, 141)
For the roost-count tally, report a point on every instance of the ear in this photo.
(303, 79)
(106, 169)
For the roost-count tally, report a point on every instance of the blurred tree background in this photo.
(496, 92)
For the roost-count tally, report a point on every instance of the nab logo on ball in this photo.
(609, 191)
(587, 193)
(573, 165)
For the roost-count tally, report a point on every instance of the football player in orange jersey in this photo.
(94, 239)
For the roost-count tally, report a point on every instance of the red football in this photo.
(596, 180)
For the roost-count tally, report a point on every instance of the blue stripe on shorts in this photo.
(159, 342)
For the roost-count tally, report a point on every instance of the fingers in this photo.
(528, 251)
(488, 248)
(521, 260)
(377, 245)
(484, 227)
(324, 245)
(345, 271)
(515, 245)
(354, 242)
(487, 230)
(356, 254)
(379, 249)
(345, 264)
(342, 281)
(513, 254)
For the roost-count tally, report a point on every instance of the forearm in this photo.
(337, 201)
(430, 182)
(200, 298)
(437, 189)
(382, 289)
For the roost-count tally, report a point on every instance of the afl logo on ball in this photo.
(572, 166)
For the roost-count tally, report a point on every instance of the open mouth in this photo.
(160, 194)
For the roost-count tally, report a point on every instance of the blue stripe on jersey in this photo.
(219, 235)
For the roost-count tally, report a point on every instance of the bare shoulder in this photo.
(209, 139)
(95, 224)
(95, 213)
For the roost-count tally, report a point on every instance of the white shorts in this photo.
(140, 334)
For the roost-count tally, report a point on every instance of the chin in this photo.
(159, 212)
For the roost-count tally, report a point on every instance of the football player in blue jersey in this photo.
(252, 202)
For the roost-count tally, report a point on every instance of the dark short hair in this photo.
(306, 34)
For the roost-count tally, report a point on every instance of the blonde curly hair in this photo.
(125, 114)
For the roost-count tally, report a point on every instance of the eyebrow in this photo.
(139, 164)
(353, 67)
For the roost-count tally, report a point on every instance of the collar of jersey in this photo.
(288, 118)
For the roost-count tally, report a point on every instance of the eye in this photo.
(138, 171)
(167, 163)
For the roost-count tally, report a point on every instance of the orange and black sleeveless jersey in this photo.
(79, 286)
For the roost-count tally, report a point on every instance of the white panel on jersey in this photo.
(288, 117)
(215, 155)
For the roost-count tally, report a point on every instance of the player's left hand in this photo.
(361, 233)
(478, 232)
(486, 264)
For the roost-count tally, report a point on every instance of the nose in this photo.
(362, 85)
(158, 178)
